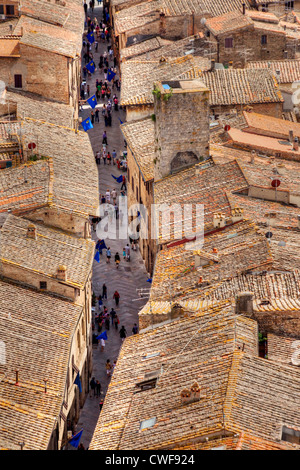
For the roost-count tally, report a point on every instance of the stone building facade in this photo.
(181, 110)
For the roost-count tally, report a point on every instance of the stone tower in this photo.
(181, 113)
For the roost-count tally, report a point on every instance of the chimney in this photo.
(62, 273)
(291, 136)
(244, 303)
(176, 311)
(31, 231)
(185, 396)
(236, 214)
(296, 144)
(17, 377)
(244, 8)
(219, 221)
(195, 392)
(299, 222)
(190, 395)
(253, 153)
(230, 64)
(212, 65)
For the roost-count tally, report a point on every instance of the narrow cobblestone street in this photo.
(130, 275)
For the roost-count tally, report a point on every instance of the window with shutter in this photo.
(228, 43)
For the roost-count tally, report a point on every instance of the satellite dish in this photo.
(227, 127)
(269, 235)
(31, 146)
(281, 243)
(203, 21)
(275, 183)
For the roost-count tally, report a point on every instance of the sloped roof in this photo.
(289, 68)
(37, 332)
(231, 21)
(241, 86)
(201, 350)
(49, 43)
(44, 255)
(75, 175)
(30, 104)
(138, 76)
(26, 187)
(139, 136)
(201, 184)
(199, 360)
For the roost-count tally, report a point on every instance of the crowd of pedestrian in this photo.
(107, 319)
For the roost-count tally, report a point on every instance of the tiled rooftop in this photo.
(37, 331)
(239, 248)
(270, 126)
(75, 175)
(144, 47)
(27, 24)
(289, 69)
(261, 143)
(205, 362)
(138, 76)
(241, 86)
(215, 8)
(200, 184)
(26, 187)
(49, 43)
(70, 16)
(139, 136)
(32, 105)
(196, 350)
(47, 252)
(232, 21)
(259, 210)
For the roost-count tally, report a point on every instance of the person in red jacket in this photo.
(116, 296)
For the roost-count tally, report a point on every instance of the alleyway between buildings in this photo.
(131, 275)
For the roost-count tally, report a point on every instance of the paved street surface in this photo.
(130, 276)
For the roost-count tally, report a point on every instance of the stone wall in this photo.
(141, 192)
(247, 46)
(270, 109)
(182, 127)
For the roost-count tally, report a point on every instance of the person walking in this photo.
(123, 186)
(98, 388)
(101, 404)
(114, 156)
(117, 259)
(97, 115)
(123, 333)
(127, 251)
(135, 329)
(116, 322)
(116, 297)
(116, 209)
(114, 195)
(108, 368)
(112, 315)
(93, 387)
(104, 140)
(108, 255)
(104, 291)
(98, 157)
